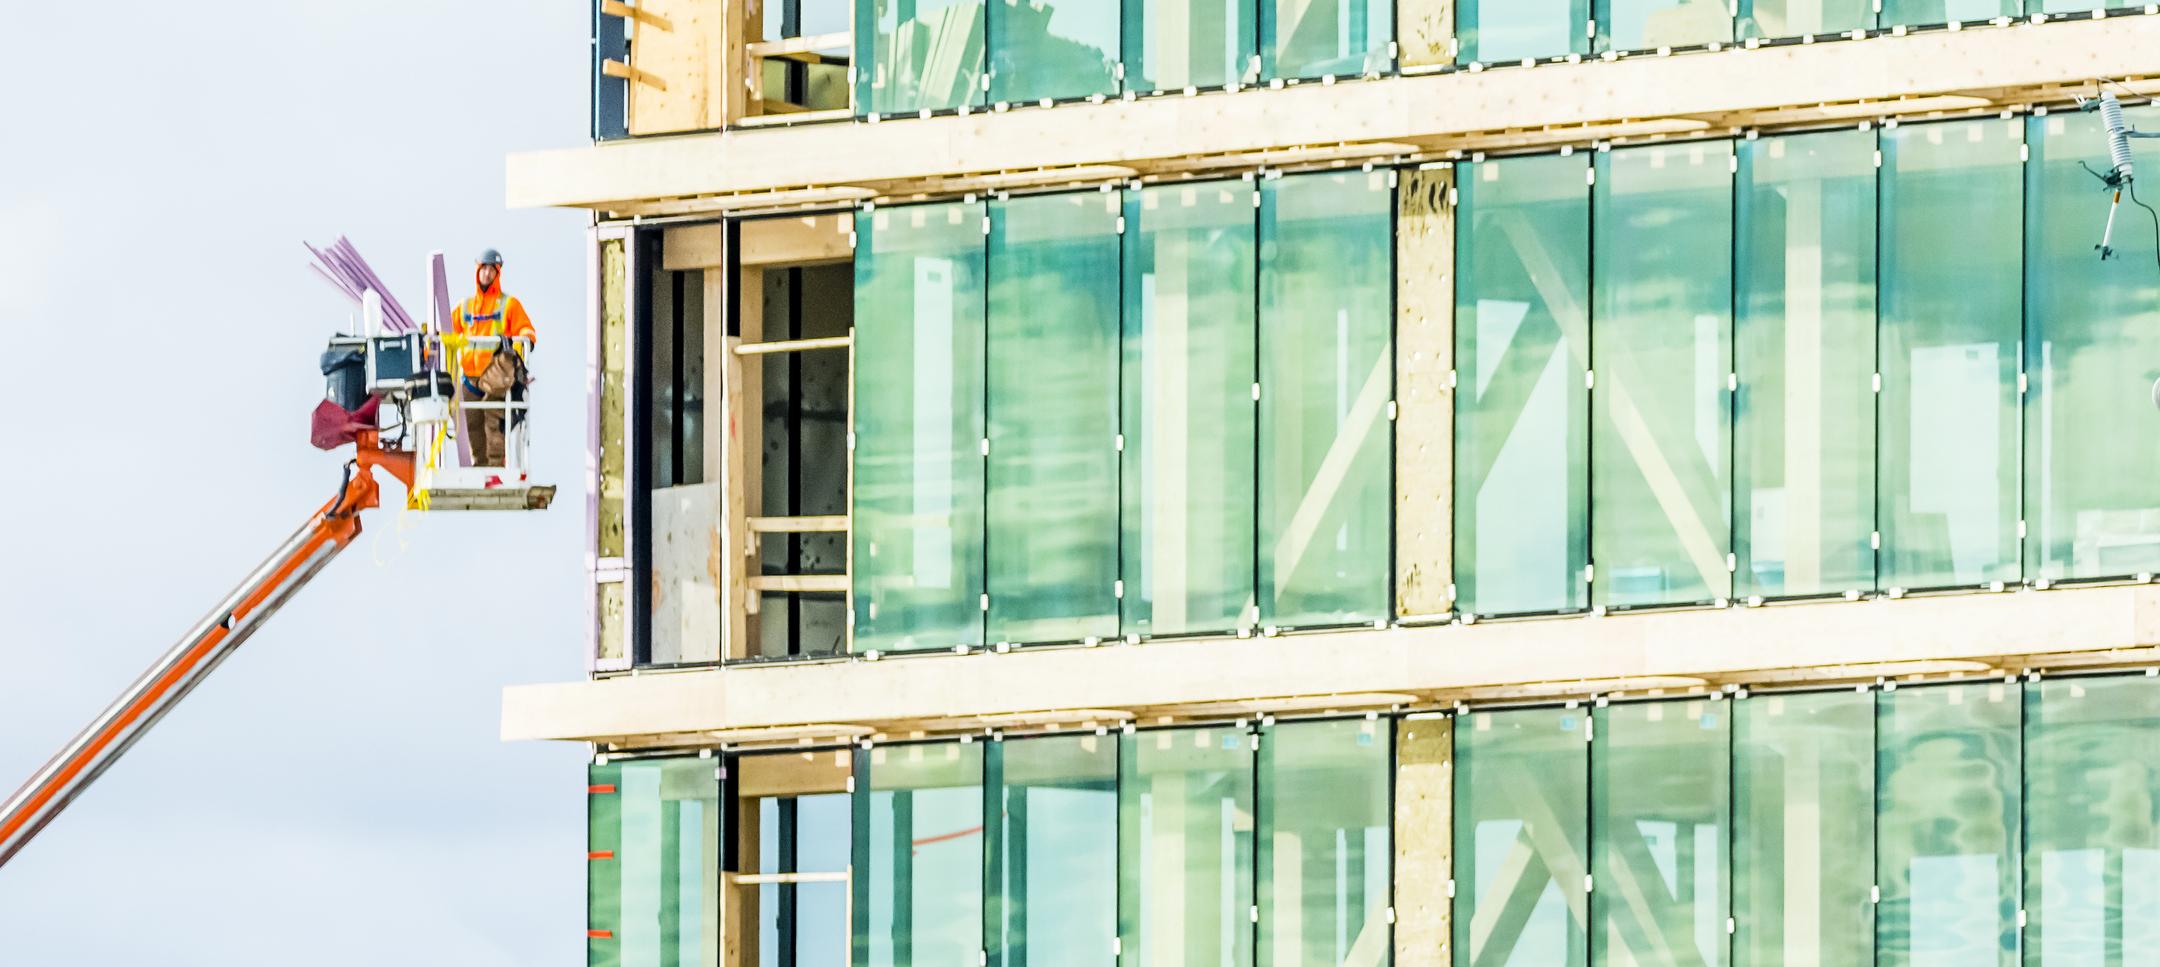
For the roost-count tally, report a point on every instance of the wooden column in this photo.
(1425, 416)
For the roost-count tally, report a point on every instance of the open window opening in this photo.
(788, 867)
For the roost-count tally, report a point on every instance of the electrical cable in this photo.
(2132, 185)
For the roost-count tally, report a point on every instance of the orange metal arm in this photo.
(215, 637)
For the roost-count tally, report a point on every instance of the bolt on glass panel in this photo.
(1949, 293)
(653, 884)
(1327, 374)
(1053, 401)
(1947, 825)
(919, 855)
(1052, 861)
(918, 484)
(1654, 24)
(1803, 828)
(1187, 422)
(1804, 342)
(1802, 18)
(1061, 50)
(1522, 858)
(1661, 349)
(1324, 844)
(917, 55)
(2092, 857)
(1659, 807)
(1176, 44)
(1505, 31)
(1522, 349)
(1316, 38)
(2092, 348)
(1185, 848)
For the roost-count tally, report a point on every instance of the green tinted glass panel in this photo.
(1327, 372)
(2092, 858)
(1316, 38)
(916, 55)
(1803, 18)
(1804, 346)
(1053, 50)
(1054, 864)
(1661, 347)
(918, 869)
(1659, 787)
(1949, 335)
(1053, 322)
(2092, 505)
(1511, 30)
(918, 488)
(603, 878)
(1185, 848)
(1947, 825)
(1324, 844)
(1924, 12)
(1653, 24)
(1173, 44)
(1522, 842)
(1522, 344)
(657, 897)
(1803, 829)
(1187, 422)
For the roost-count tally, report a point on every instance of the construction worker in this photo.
(489, 313)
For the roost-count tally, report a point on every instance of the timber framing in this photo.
(1389, 120)
(1667, 652)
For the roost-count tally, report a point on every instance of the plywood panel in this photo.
(682, 54)
(1425, 417)
(1424, 839)
(686, 549)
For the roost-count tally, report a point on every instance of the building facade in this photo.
(1288, 483)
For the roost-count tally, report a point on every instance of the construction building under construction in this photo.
(1286, 483)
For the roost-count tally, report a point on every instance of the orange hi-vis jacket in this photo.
(486, 314)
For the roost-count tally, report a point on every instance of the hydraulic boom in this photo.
(207, 644)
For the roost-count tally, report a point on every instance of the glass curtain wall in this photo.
(1804, 437)
(1920, 13)
(2092, 858)
(653, 877)
(1056, 877)
(1659, 788)
(1505, 31)
(918, 875)
(1522, 350)
(918, 484)
(1053, 399)
(1327, 372)
(1661, 347)
(1187, 426)
(1947, 815)
(1762, 19)
(1522, 840)
(1324, 850)
(1655, 24)
(2092, 462)
(918, 55)
(1316, 38)
(1175, 44)
(1185, 848)
(1949, 295)
(1803, 829)
(1053, 51)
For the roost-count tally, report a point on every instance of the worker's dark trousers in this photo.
(484, 434)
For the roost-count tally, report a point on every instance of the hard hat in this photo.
(491, 257)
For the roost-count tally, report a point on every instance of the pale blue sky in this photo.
(336, 794)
